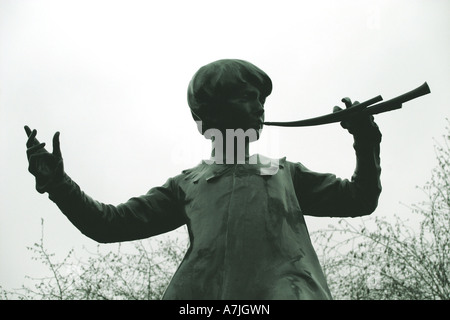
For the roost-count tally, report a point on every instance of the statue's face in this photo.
(242, 108)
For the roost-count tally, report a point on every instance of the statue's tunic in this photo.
(248, 237)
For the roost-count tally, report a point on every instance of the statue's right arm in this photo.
(154, 213)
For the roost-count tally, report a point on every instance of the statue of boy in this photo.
(244, 214)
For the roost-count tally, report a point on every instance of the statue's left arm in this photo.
(323, 194)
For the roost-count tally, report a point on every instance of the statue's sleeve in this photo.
(323, 194)
(156, 212)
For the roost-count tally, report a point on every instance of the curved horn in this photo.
(389, 105)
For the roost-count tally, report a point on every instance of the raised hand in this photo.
(45, 166)
(357, 124)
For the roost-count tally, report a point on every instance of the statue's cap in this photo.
(217, 80)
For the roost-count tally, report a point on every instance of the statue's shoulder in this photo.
(191, 174)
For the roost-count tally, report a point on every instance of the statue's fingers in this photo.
(34, 149)
(32, 141)
(56, 145)
(347, 102)
(336, 109)
(27, 130)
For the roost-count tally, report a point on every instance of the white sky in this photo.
(111, 76)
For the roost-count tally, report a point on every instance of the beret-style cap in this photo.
(216, 81)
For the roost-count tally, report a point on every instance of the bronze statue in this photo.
(244, 214)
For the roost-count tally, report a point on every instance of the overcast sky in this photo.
(112, 76)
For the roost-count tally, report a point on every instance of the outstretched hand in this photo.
(357, 124)
(45, 166)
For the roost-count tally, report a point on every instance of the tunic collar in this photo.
(259, 164)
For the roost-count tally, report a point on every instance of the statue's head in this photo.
(229, 94)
